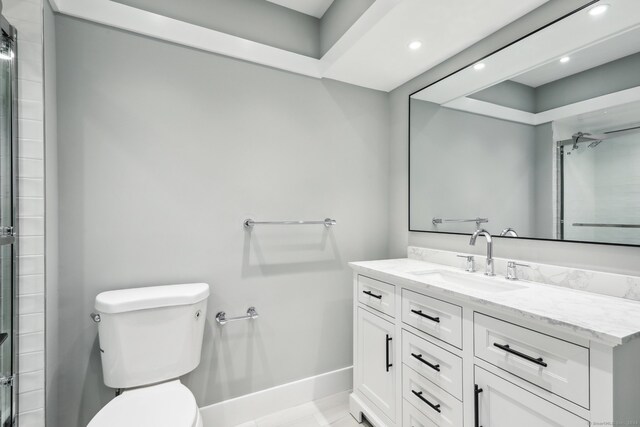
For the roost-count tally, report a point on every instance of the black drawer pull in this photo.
(505, 347)
(426, 316)
(476, 410)
(431, 365)
(387, 361)
(434, 407)
(371, 294)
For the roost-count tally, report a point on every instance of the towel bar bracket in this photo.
(222, 318)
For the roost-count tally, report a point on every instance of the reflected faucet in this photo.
(508, 232)
(482, 232)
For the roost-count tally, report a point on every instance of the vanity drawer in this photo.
(432, 316)
(378, 295)
(432, 362)
(553, 364)
(433, 402)
(411, 417)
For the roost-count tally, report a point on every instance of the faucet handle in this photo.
(470, 262)
(513, 264)
(511, 269)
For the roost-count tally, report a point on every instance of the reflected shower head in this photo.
(584, 137)
(595, 143)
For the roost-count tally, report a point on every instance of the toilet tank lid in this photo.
(124, 300)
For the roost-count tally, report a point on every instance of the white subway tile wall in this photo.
(27, 17)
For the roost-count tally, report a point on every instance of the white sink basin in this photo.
(472, 281)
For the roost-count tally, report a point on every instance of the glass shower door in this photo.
(601, 188)
(7, 239)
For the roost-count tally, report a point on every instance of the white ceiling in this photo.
(601, 53)
(315, 8)
(381, 59)
(373, 52)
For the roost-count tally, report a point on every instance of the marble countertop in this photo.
(597, 317)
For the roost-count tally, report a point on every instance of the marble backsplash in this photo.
(616, 285)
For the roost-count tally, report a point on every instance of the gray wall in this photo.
(607, 258)
(163, 152)
(340, 16)
(256, 20)
(465, 165)
(544, 192)
(51, 217)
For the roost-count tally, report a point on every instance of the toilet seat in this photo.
(169, 404)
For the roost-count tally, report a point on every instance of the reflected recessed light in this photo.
(415, 45)
(565, 59)
(479, 66)
(598, 10)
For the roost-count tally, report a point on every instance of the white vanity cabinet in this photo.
(424, 358)
(376, 377)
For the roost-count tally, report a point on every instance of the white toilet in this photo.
(148, 338)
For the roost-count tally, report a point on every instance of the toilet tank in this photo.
(153, 334)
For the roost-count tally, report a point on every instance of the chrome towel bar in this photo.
(478, 221)
(327, 222)
(222, 318)
(589, 224)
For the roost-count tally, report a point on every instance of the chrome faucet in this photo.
(508, 232)
(482, 232)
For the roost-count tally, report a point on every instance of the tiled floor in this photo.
(331, 411)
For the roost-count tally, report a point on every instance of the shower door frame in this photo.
(560, 190)
(10, 31)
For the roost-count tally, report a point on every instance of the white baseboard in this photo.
(236, 411)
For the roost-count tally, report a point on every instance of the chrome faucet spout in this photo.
(482, 232)
(509, 232)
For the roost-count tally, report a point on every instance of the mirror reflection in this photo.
(539, 140)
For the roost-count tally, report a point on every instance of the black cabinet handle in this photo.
(387, 361)
(431, 365)
(371, 294)
(434, 407)
(505, 347)
(426, 316)
(476, 411)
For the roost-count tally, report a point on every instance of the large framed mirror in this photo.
(539, 140)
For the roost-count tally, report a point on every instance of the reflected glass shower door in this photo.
(601, 189)
(7, 239)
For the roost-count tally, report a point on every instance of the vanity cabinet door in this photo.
(376, 369)
(503, 404)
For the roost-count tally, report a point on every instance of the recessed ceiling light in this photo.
(479, 66)
(565, 59)
(598, 10)
(415, 45)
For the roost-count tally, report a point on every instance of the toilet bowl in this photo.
(149, 337)
(168, 404)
